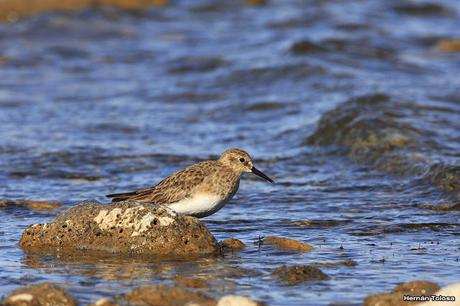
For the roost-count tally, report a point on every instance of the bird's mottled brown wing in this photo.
(173, 188)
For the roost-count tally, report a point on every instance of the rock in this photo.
(287, 244)
(12, 10)
(232, 244)
(35, 205)
(165, 296)
(416, 288)
(236, 300)
(124, 228)
(191, 282)
(347, 263)
(449, 291)
(395, 298)
(103, 302)
(297, 274)
(448, 45)
(37, 295)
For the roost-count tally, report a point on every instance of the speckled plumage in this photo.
(204, 187)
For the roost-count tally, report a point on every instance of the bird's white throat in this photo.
(199, 205)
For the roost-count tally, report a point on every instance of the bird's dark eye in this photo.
(242, 160)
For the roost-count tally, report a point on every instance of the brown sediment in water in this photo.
(191, 282)
(11, 10)
(449, 45)
(42, 294)
(293, 275)
(287, 244)
(346, 263)
(122, 228)
(35, 205)
(395, 297)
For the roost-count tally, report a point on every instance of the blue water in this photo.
(101, 101)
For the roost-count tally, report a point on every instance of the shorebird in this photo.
(201, 189)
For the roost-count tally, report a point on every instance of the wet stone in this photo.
(287, 244)
(37, 295)
(191, 282)
(123, 228)
(297, 274)
(232, 244)
(395, 298)
(448, 45)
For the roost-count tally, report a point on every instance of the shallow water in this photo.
(101, 101)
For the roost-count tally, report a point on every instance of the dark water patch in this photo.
(114, 127)
(335, 45)
(264, 75)
(196, 64)
(405, 228)
(67, 53)
(265, 106)
(316, 224)
(191, 97)
(424, 9)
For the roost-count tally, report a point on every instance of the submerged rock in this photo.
(297, 274)
(125, 228)
(346, 263)
(395, 298)
(36, 295)
(35, 205)
(377, 130)
(287, 244)
(11, 10)
(191, 282)
(448, 45)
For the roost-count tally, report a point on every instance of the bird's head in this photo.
(240, 161)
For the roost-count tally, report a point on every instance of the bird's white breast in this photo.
(199, 205)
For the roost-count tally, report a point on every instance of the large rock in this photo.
(36, 295)
(174, 296)
(396, 296)
(164, 295)
(449, 295)
(126, 228)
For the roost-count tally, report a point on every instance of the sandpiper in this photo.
(201, 189)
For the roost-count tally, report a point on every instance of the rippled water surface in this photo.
(348, 105)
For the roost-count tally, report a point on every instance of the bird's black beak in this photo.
(261, 174)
